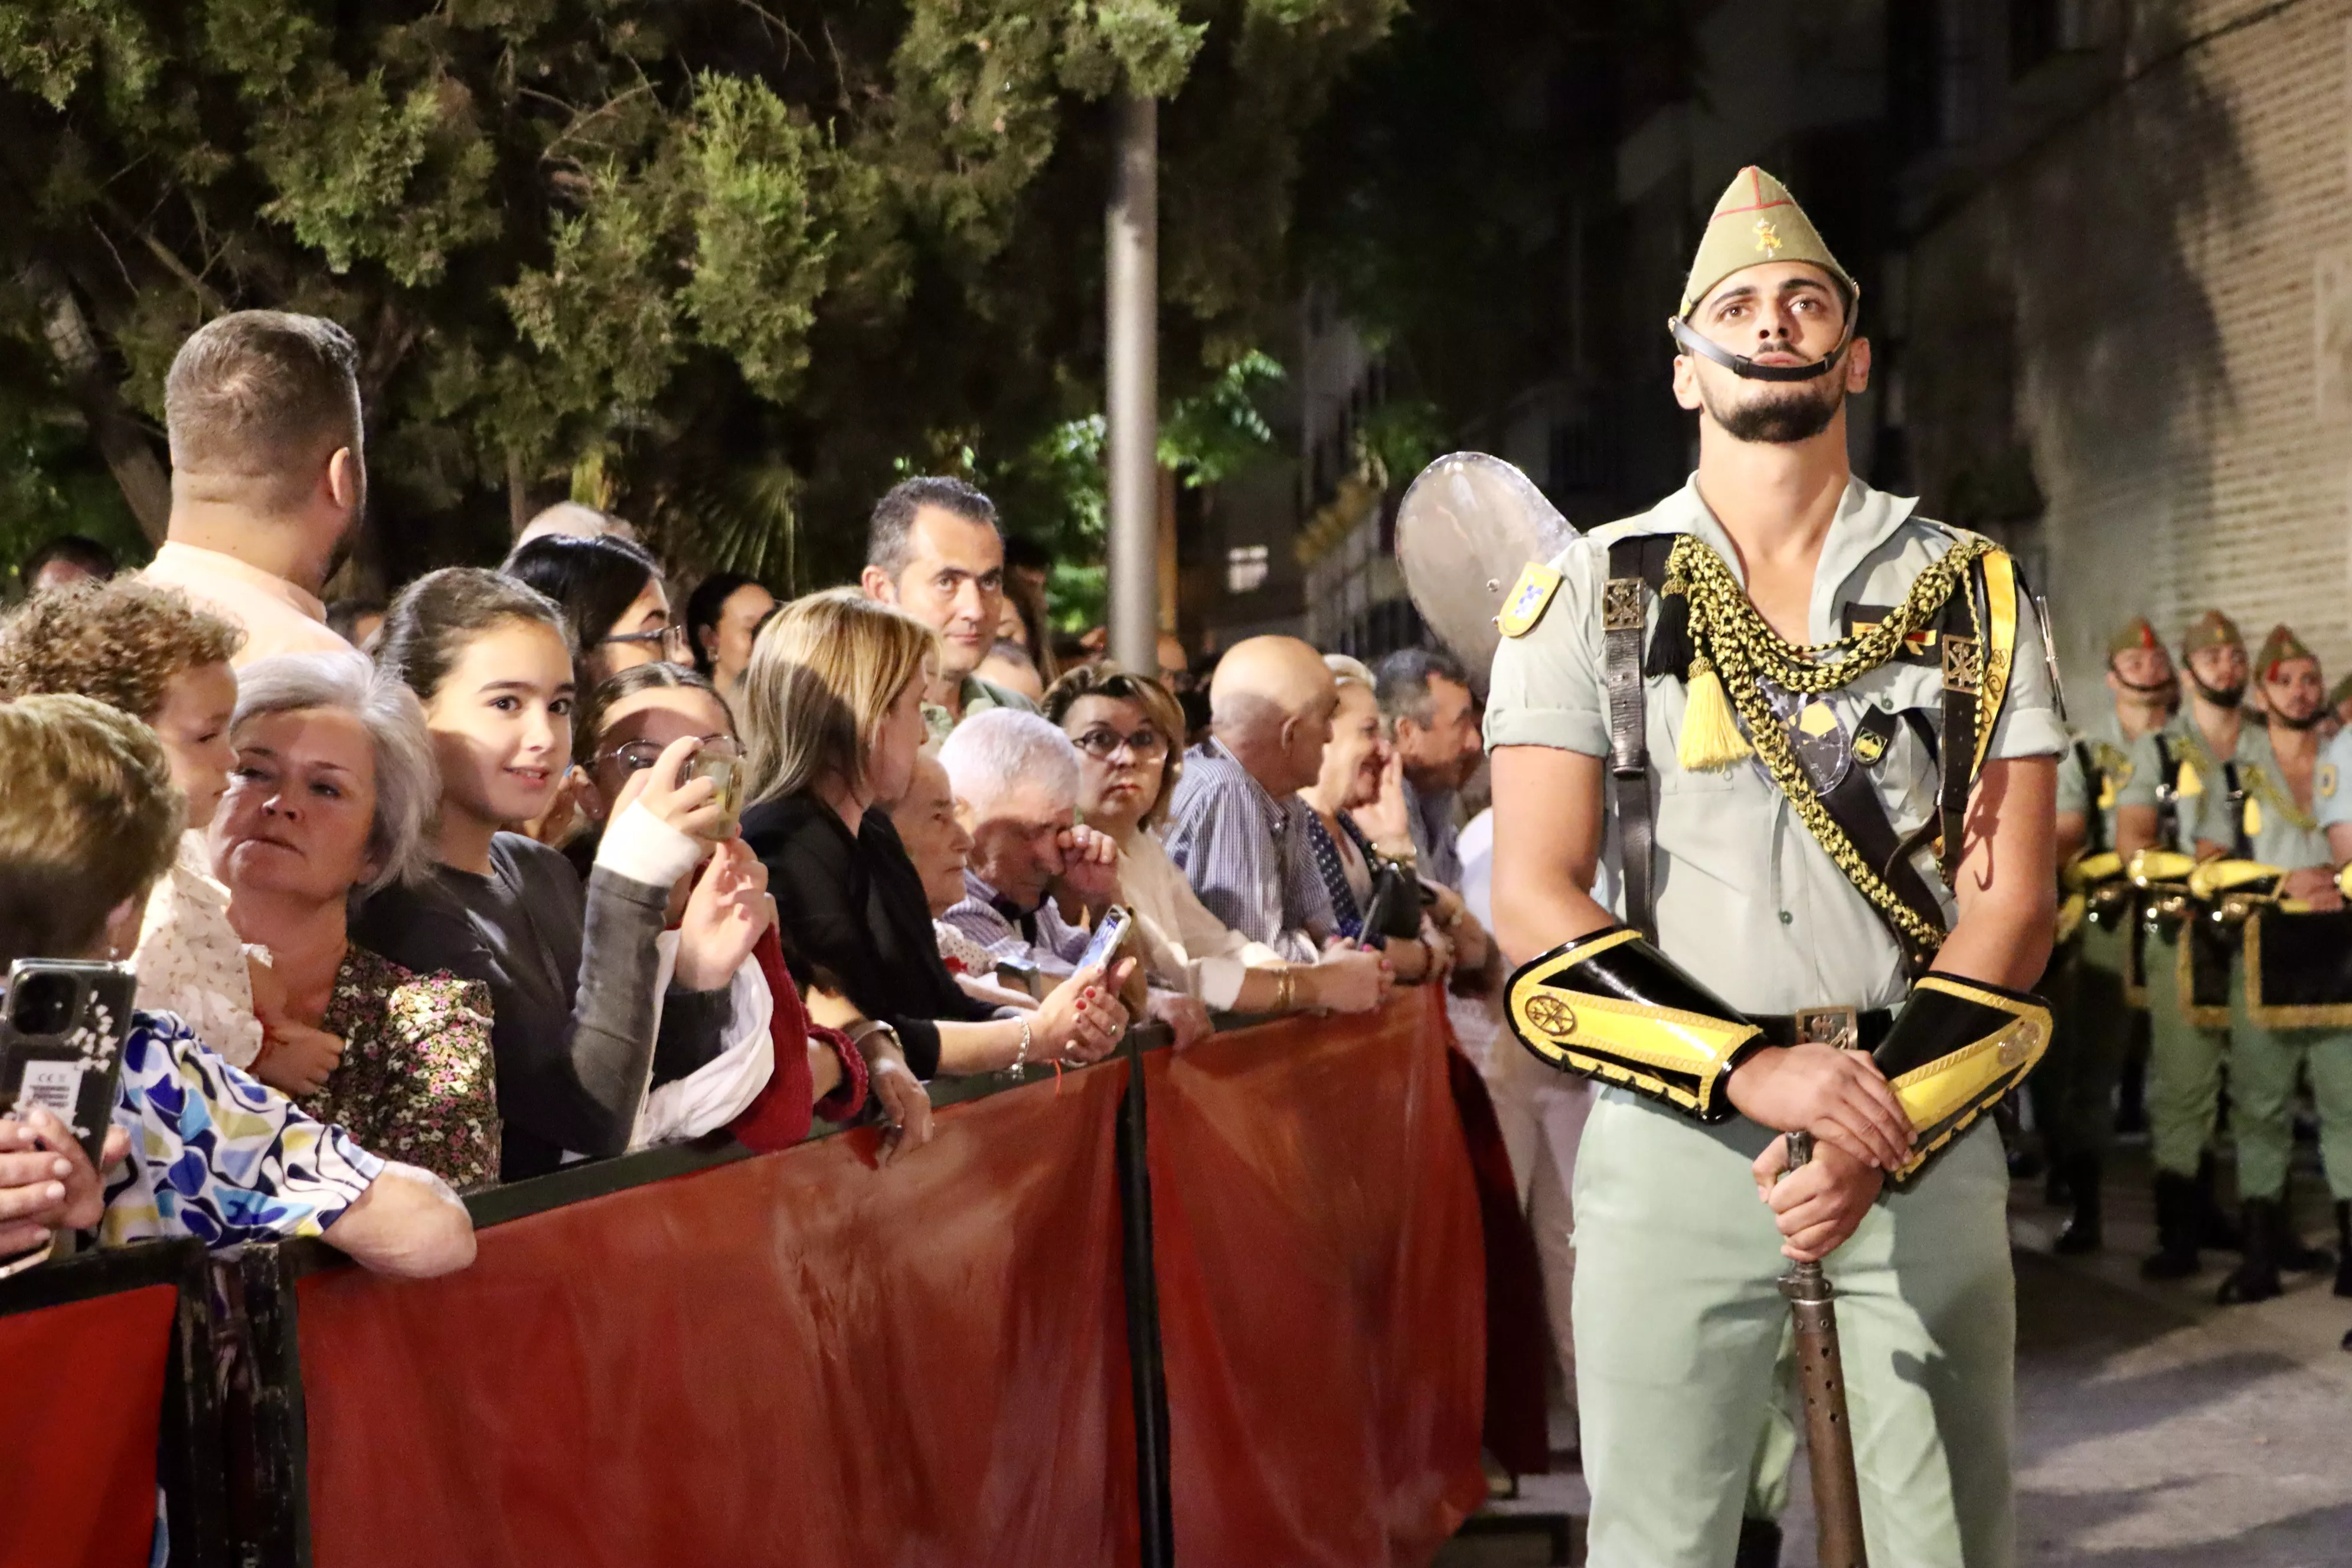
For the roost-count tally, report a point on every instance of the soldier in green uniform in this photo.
(1813, 733)
(2077, 1086)
(2156, 808)
(2272, 821)
(2331, 788)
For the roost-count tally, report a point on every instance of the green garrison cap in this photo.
(2278, 647)
(1756, 221)
(2211, 629)
(2138, 633)
(2343, 689)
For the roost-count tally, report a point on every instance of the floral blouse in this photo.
(216, 1155)
(416, 1082)
(189, 960)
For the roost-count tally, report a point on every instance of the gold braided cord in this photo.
(1730, 637)
(2278, 799)
(1696, 570)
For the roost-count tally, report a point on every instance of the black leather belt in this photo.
(1829, 1025)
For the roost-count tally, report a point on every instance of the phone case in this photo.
(70, 1071)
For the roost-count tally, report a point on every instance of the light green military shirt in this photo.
(2269, 812)
(2101, 790)
(2195, 771)
(1746, 900)
(979, 696)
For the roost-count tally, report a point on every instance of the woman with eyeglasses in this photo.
(1127, 729)
(629, 722)
(612, 596)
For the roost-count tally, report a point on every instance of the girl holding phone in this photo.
(572, 968)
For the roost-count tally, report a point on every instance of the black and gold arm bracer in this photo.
(1953, 1050)
(1610, 1006)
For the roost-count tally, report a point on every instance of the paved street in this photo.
(2155, 1428)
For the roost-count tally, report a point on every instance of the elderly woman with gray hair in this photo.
(333, 786)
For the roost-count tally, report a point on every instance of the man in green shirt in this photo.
(1733, 698)
(2272, 819)
(2077, 1086)
(933, 549)
(2171, 773)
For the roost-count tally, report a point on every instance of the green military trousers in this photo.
(2086, 1051)
(1683, 1345)
(2262, 1063)
(2184, 1065)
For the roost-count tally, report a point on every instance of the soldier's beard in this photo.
(2219, 696)
(1788, 413)
(2306, 721)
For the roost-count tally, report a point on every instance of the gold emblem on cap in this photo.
(1767, 239)
(1552, 1016)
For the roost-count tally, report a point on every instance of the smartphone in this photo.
(1380, 910)
(725, 776)
(62, 1026)
(1103, 949)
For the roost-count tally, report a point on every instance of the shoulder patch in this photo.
(2324, 781)
(1530, 598)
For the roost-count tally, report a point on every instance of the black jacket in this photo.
(856, 920)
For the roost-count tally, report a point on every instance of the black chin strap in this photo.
(1740, 365)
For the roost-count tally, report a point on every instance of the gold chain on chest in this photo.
(1731, 638)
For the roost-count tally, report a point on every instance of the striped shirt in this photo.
(1038, 936)
(1248, 855)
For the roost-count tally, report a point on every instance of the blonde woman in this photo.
(833, 706)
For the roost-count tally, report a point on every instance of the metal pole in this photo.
(1155, 1490)
(1131, 376)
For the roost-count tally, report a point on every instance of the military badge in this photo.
(2324, 781)
(1869, 746)
(1530, 596)
(1767, 239)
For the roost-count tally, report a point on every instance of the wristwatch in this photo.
(871, 1027)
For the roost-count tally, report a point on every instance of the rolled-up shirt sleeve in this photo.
(2028, 725)
(1546, 687)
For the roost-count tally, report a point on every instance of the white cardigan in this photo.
(1185, 944)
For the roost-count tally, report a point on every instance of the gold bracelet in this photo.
(1286, 989)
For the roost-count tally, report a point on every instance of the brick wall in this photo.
(2151, 295)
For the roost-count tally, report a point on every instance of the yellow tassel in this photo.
(1711, 738)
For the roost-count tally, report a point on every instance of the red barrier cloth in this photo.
(1321, 1291)
(78, 1472)
(1519, 1346)
(793, 1359)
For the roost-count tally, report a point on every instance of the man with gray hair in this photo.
(267, 481)
(1035, 883)
(932, 549)
(1434, 715)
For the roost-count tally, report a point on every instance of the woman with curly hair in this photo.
(146, 650)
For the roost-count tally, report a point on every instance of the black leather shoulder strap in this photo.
(1963, 685)
(1637, 568)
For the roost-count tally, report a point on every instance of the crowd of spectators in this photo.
(538, 864)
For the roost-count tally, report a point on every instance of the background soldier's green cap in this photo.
(2136, 634)
(2336, 699)
(2211, 629)
(1757, 221)
(2278, 647)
